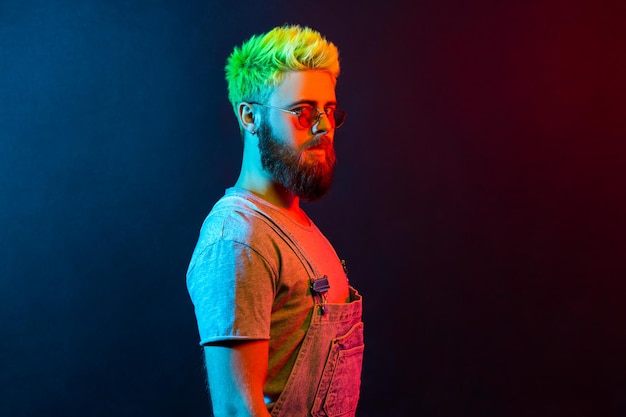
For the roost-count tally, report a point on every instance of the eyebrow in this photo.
(312, 103)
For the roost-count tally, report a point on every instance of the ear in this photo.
(246, 116)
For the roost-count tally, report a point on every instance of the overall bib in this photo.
(331, 353)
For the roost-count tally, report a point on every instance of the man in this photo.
(280, 325)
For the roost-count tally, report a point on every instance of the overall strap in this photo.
(284, 234)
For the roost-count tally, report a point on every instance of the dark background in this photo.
(479, 200)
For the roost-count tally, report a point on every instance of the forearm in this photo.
(236, 374)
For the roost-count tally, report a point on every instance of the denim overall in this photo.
(331, 353)
(327, 370)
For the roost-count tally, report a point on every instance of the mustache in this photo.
(322, 140)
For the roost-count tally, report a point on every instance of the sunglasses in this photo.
(309, 115)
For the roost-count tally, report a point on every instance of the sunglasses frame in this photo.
(314, 119)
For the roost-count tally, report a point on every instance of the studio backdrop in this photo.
(479, 200)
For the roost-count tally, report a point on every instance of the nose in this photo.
(323, 122)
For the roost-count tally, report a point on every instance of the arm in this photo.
(236, 373)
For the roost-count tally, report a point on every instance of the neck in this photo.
(274, 193)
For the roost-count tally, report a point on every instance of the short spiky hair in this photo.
(259, 64)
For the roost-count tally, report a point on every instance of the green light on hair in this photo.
(259, 64)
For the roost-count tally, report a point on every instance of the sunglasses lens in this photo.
(338, 117)
(309, 116)
(306, 118)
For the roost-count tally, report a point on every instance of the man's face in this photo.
(301, 159)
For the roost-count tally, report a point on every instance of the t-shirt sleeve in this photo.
(231, 287)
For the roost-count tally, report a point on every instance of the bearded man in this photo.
(279, 323)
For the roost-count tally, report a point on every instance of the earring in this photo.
(253, 132)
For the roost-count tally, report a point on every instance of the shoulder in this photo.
(236, 222)
(240, 224)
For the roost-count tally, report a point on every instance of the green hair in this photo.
(260, 63)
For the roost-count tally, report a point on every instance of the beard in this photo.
(309, 180)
